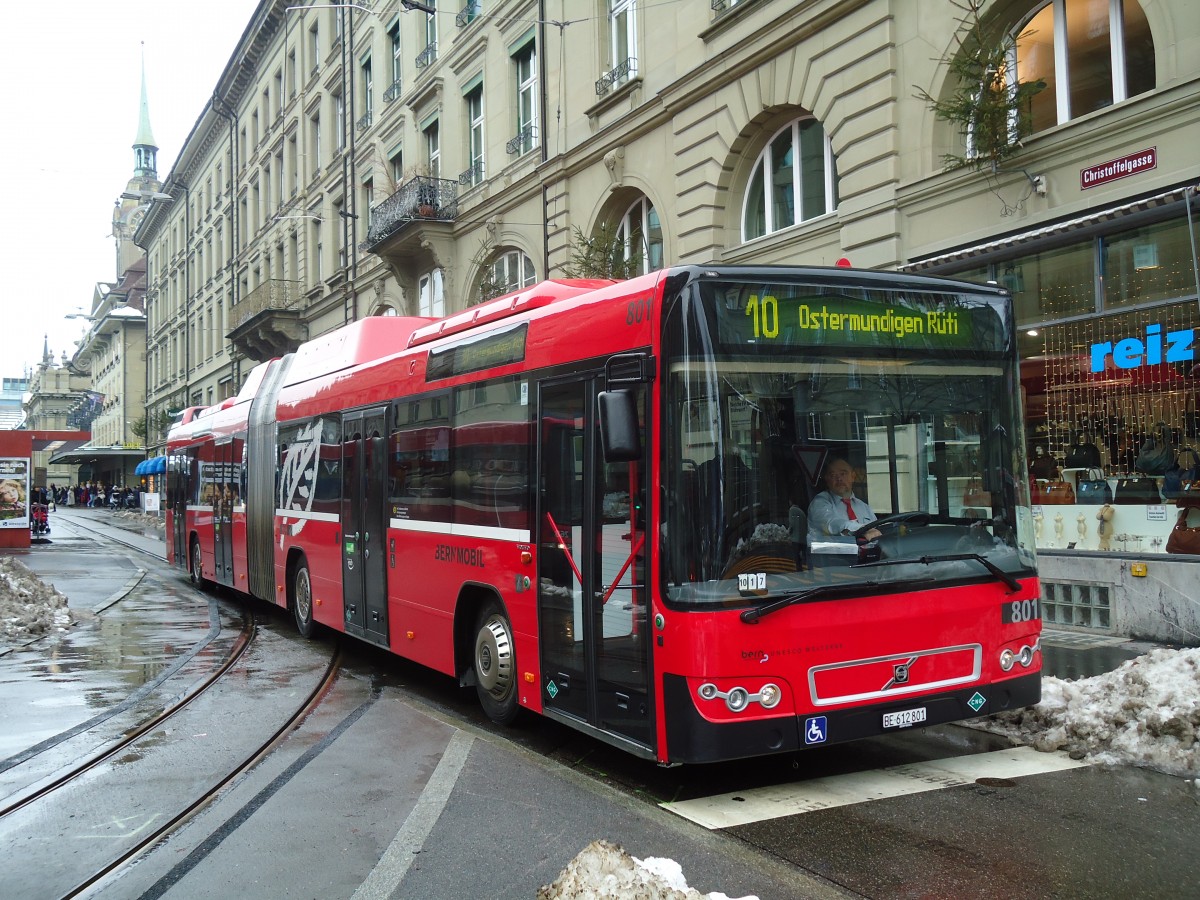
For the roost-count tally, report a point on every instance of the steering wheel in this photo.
(897, 521)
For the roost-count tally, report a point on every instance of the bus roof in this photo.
(541, 294)
(352, 345)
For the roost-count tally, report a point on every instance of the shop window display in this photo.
(1110, 373)
(1147, 265)
(1115, 421)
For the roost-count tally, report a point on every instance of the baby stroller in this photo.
(39, 519)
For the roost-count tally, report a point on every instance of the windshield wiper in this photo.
(1009, 580)
(751, 616)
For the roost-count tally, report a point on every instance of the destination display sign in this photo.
(497, 348)
(791, 316)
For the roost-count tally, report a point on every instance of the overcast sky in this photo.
(72, 76)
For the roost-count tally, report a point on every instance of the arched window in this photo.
(1090, 54)
(794, 179)
(639, 233)
(510, 271)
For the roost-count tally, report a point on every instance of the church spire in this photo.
(144, 149)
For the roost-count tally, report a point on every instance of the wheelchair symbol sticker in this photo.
(816, 730)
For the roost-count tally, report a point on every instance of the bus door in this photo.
(222, 503)
(179, 492)
(364, 487)
(591, 571)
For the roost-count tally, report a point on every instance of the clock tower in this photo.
(141, 188)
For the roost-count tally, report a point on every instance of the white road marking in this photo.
(399, 856)
(744, 807)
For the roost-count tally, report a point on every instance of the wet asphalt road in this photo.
(396, 786)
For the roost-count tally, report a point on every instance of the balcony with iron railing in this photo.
(268, 320)
(472, 175)
(393, 92)
(427, 56)
(467, 14)
(419, 199)
(619, 74)
(525, 140)
(364, 121)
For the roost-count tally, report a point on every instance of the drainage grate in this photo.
(1079, 605)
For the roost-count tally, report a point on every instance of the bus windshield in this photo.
(825, 430)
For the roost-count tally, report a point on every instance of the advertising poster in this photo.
(14, 493)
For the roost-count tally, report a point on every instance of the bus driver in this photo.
(836, 512)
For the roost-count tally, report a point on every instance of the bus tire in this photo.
(196, 564)
(302, 599)
(495, 663)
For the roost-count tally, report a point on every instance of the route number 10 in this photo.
(765, 315)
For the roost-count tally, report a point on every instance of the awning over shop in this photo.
(1031, 240)
(78, 456)
(156, 465)
(60, 442)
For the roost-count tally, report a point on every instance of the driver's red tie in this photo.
(849, 509)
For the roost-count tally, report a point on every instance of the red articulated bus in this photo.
(602, 502)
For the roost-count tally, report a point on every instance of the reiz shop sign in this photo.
(1156, 348)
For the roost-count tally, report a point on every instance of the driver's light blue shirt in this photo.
(827, 515)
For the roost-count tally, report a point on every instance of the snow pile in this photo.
(603, 871)
(1145, 713)
(29, 607)
(134, 520)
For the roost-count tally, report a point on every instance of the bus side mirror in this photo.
(619, 433)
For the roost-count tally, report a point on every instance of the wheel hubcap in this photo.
(494, 658)
(303, 597)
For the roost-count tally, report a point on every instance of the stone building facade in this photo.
(56, 390)
(377, 158)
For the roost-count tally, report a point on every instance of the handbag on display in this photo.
(1184, 539)
(1083, 456)
(975, 495)
(1136, 491)
(1093, 488)
(1058, 493)
(1189, 496)
(1155, 458)
(1176, 480)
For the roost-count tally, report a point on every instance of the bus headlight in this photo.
(738, 698)
(770, 695)
(1024, 656)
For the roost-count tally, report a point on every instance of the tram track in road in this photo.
(84, 803)
(114, 808)
(175, 821)
(132, 735)
(177, 699)
(112, 534)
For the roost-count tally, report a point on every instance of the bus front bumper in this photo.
(693, 739)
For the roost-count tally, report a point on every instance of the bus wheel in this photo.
(196, 565)
(495, 665)
(302, 604)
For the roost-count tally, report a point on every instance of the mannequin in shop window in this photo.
(1043, 466)
(1083, 454)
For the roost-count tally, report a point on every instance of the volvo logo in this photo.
(901, 672)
